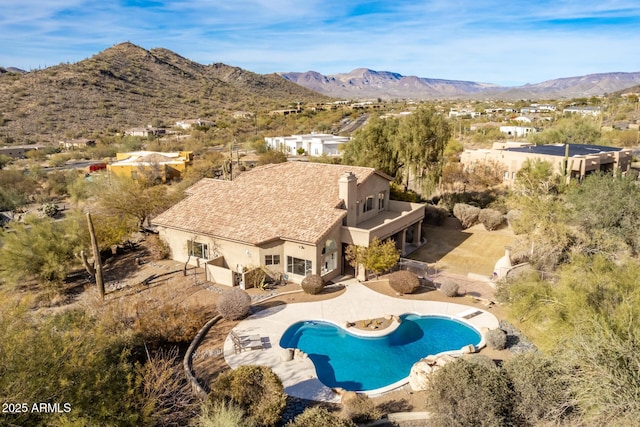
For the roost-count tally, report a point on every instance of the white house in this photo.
(583, 111)
(517, 131)
(313, 144)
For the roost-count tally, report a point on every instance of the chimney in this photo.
(347, 191)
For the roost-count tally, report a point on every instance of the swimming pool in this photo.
(358, 363)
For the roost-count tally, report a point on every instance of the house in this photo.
(464, 113)
(157, 166)
(292, 218)
(73, 144)
(582, 159)
(188, 124)
(517, 131)
(313, 144)
(145, 132)
(583, 111)
(18, 151)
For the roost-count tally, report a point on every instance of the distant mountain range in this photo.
(365, 83)
(128, 86)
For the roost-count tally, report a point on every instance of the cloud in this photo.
(491, 41)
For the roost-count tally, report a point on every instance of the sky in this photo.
(508, 43)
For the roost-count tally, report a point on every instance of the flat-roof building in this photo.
(582, 158)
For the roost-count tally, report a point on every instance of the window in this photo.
(271, 259)
(198, 250)
(381, 200)
(298, 266)
(368, 204)
(506, 175)
(134, 174)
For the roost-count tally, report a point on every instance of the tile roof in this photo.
(292, 201)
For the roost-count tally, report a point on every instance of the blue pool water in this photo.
(359, 364)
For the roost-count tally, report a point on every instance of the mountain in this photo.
(128, 86)
(365, 83)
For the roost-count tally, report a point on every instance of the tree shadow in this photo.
(392, 406)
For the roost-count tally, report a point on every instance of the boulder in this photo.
(419, 375)
(468, 349)
(444, 359)
(286, 354)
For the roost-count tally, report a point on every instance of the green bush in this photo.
(234, 304)
(449, 289)
(496, 339)
(318, 417)
(312, 284)
(404, 282)
(254, 389)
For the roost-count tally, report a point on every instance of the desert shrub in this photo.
(491, 219)
(255, 278)
(435, 215)
(221, 414)
(466, 214)
(254, 389)
(404, 282)
(50, 209)
(234, 304)
(319, 417)
(496, 339)
(158, 248)
(168, 322)
(359, 408)
(480, 359)
(464, 393)
(449, 289)
(514, 221)
(165, 393)
(541, 389)
(312, 284)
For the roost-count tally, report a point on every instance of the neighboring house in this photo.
(145, 132)
(538, 108)
(157, 166)
(582, 158)
(314, 144)
(517, 131)
(486, 125)
(583, 111)
(73, 144)
(523, 119)
(188, 124)
(293, 218)
(18, 151)
(464, 113)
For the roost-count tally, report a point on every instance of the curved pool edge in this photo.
(358, 302)
(402, 382)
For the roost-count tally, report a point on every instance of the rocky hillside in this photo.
(364, 83)
(128, 86)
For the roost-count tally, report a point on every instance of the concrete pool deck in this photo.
(357, 303)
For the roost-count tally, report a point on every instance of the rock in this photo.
(419, 375)
(286, 354)
(444, 359)
(348, 396)
(468, 349)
